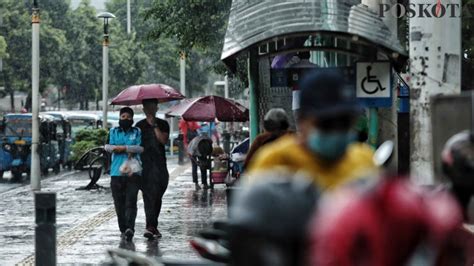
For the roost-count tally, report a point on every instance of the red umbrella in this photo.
(135, 94)
(208, 108)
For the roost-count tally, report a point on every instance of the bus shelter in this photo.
(266, 35)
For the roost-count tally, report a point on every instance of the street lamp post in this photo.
(105, 65)
(129, 18)
(35, 173)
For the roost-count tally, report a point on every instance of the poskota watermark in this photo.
(435, 10)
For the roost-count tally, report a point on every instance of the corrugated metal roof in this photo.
(255, 21)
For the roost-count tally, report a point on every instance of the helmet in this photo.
(458, 160)
(278, 205)
(381, 225)
(268, 220)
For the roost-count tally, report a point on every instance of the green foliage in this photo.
(3, 47)
(87, 139)
(198, 26)
(200, 23)
(79, 148)
(154, 60)
(71, 50)
(83, 73)
(98, 136)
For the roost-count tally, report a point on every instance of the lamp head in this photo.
(106, 16)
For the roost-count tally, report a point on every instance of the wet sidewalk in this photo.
(87, 225)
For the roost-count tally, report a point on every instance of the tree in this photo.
(194, 23)
(82, 75)
(160, 60)
(198, 25)
(16, 31)
(3, 47)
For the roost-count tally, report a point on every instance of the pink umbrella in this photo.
(135, 94)
(208, 108)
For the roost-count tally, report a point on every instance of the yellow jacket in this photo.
(286, 152)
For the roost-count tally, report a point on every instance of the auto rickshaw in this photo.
(64, 138)
(16, 145)
(83, 120)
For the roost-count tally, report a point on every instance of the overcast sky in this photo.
(98, 4)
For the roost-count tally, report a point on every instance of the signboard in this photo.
(374, 83)
(371, 80)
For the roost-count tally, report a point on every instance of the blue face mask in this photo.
(329, 146)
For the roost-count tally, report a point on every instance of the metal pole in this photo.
(373, 127)
(105, 79)
(171, 136)
(435, 68)
(45, 230)
(253, 94)
(226, 95)
(226, 86)
(182, 72)
(35, 159)
(129, 18)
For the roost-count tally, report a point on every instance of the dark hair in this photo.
(149, 101)
(126, 110)
(276, 119)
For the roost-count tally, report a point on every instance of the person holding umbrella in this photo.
(155, 134)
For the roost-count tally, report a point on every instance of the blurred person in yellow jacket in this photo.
(325, 147)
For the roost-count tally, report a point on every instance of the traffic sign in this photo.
(374, 83)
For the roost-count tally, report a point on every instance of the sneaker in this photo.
(205, 186)
(157, 233)
(128, 234)
(196, 186)
(149, 234)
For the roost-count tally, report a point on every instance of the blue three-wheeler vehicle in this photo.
(15, 154)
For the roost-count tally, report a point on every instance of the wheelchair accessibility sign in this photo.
(374, 83)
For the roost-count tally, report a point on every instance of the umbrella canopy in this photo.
(208, 108)
(135, 94)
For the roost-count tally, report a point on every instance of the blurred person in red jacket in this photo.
(189, 130)
(457, 160)
(389, 223)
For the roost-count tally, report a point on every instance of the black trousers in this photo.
(153, 185)
(202, 169)
(125, 191)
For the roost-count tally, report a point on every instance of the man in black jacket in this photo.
(155, 134)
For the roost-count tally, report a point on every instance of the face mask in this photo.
(329, 146)
(125, 123)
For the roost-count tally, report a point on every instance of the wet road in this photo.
(87, 225)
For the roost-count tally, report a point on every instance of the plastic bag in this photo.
(131, 166)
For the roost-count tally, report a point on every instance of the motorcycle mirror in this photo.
(383, 153)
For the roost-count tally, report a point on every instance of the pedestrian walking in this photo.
(325, 147)
(199, 151)
(124, 144)
(155, 134)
